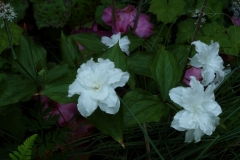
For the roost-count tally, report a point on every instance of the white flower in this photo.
(7, 12)
(95, 83)
(123, 42)
(211, 63)
(200, 112)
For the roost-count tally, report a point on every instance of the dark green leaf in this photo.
(53, 13)
(109, 124)
(90, 42)
(70, 51)
(167, 10)
(146, 107)
(139, 63)
(135, 42)
(14, 88)
(15, 31)
(166, 71)
(116, 55)
(185, 31)
(181, 53)
(57, 90)
(31, 58)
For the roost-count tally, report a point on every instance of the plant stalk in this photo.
(137, 16)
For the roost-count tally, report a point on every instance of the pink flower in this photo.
(125, 18)
(236, 21)
(144, 27)
(196, 72)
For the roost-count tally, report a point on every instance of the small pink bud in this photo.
(196, 72)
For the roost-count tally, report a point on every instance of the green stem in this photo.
(137, 16)
(9, 35)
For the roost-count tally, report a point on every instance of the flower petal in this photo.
(86, 105)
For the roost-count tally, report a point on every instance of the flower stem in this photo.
(9, 35)
(137, 16)
(147, 143)
(195, 33)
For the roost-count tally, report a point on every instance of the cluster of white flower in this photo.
(196, 14)
(7, 12)
(235, 8)
(200, 112)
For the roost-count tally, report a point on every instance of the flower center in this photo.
(96, 85)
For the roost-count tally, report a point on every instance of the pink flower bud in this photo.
(196, 72)
(236, 21)
(144, 27)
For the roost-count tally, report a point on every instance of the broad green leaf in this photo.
(70, 51)
(11, 123)
(234, 34)
(82, 11)
(167, 10)
(54, 13)
(212, 7)
(90, 42)
(139, 63)
(185, 31)
(14, 88)
(57, 89)
(110, 124)
(20, 7)
(135, 41)
(166, 71)
(181, 53)
(145, 106)
(216, 33)
(116, 55)
(56, 72)
(98, 14)
(15, 31)
(31, 57)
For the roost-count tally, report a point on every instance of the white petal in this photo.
(108, 41)
(214, 48)
(196, 85)
(194, 62)
(117, 78)
(189, 136)
(86, 105)
(111, 104)
(176, 95)
(124, 44)
(198, 134)
(176, 121)
(74, 88)
(208, 76)
(200, 46)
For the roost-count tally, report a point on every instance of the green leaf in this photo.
(185, 31)
(139, 63)
(166, 71)
(57, 89)
(146, 107)
(167, 10)
(70, 51)
(15, 31)
(212, 7)
(98, 14)
(31, 58)
(181, 53)
(24, 150)
(109, 124)
(116, 55)
(233, 33)
(90, 42)
(54, 13)
(14, 88)
(82, 11)
(56, 72)
(215, 32)
(135, 41)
